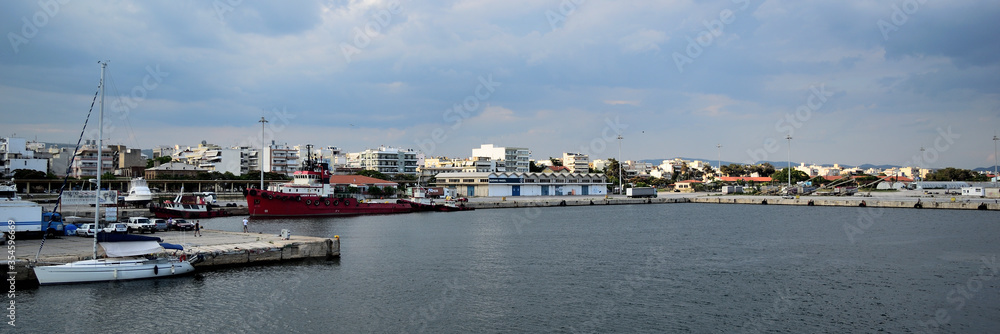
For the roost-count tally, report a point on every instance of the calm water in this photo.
(631, 269)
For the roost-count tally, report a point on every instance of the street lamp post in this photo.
(789, 137)
(922, 150)
(620, 186)
(720, 159)
(260, 159)
(995, 176)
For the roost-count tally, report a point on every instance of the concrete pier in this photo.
(218, 248)
(874, 202)
(521, 202)
(852, 201)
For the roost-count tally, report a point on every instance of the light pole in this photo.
(620, 187)
(720, 159)
(260, 159)
(789, 137)
(995, 176)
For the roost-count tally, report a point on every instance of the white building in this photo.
(524, 184)
(85, 164)
(576, 162)
(282, 159)
(238, 160)
(515, 159)
(386, 160)
(14, 155)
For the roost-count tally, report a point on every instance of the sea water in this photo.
(630, 268)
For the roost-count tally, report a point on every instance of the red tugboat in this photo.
(189, 207)
(311, 194)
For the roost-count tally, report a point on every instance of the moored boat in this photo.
(189, 206)
(311, 194)
(127, 256)
(426, 204)
(138, 193)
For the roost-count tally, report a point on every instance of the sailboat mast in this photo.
(100, 162)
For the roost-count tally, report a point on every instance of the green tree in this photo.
(956, 174)
(373, 173)
(532, 167)
(28, 174)
(611, 170)
(150, 163)
(819, 181)
(374, 191)
(555, 161)
(782, 176)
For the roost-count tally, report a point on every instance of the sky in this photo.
(852, 82)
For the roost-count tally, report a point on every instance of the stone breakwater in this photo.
(521, 202)
(851, 201)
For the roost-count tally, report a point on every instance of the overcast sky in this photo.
(852, 82)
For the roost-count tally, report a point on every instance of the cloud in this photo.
(230, 66)
(621, 102)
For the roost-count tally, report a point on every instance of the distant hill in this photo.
(781, 164)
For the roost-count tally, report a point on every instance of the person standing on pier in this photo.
(245, 230)
(197, 228)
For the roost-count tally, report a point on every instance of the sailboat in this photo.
(127, 256)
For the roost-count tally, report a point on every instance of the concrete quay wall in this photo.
(856, 202)
(226, 249)
(522, 202)
(263, 252)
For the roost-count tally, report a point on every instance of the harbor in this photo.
(217, 249)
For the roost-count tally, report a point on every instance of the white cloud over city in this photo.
(852, 81)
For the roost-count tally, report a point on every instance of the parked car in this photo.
(182, 225)
(116, 228)
(161, 224)
(141, 225)
(86, 230)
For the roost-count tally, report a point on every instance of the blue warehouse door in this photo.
(470, 191)
(586, 190)
(545, 190)
(515, 190)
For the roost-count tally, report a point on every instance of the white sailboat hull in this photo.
(103, 270)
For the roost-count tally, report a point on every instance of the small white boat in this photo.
(138, 193)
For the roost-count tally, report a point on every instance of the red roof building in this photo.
(744, 178)
(359, 181)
